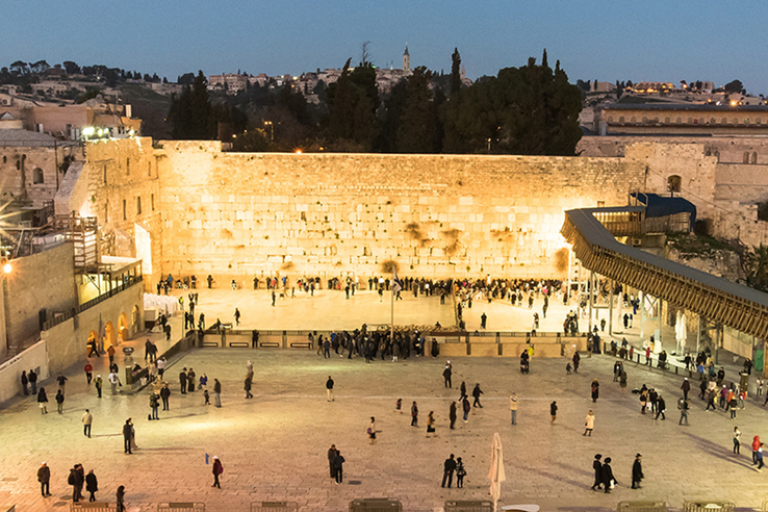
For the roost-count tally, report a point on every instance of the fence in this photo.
(708, 506)
(181, 507)
(274, 506)
(66, 315)
(641, 506)
(469, 506)
(94, 506)
(375, 505)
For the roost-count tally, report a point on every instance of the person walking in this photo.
(513, 407)
(476, 394)
(483, 320)
(60, 401)
(661, 407)
(237, 317)
(372, 431)
(154, 403)
(91, 485)
(553, 412)
(595, 388)
(326, 348)
(120, 498)
(44, 477)
(42, 401)
(449, 466)
(760, 458)
(338, 462)
(452, 414)
(332, 460)
(127, 435)
(607, 473)
(99, 385)
(329, 389)
(217, 392)
(447, 372)
(87, 419)
(460, 473)
(590, 424)
(414, 415)
(62, 382)
(637, 472)
(623, 381)
(430, 424)
(88, 369)
(165, 393)
(683, 406)
(576, 360)
(597, 466)
(114, 380)
(755, 446)
(191, 380)
(465, 407)
(247, 387)
(218, 469)
(462, 391)
(686, 387)
(736, 441)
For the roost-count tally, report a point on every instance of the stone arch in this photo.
(754, 157)
(745, 158)
(135, 319)
(674, 183)
(38, 177)
(122, 328)
(109, 335)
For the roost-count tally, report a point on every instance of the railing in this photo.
(274, 506)
(469, 506)
(94, 506)
(181, 507)
(375, 505)
(708, 506)
(642, 506)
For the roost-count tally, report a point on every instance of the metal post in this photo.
(610, 310)
(661, 307)
(642, 314)
(589, 291)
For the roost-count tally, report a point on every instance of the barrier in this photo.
(641, 506)
(94, 506)
(269, 344)
(181, 507)
(302, 344)
(239, 344)
(708, 506)
(469, 506)
(375, 505)
(210, 344)
(274, 506)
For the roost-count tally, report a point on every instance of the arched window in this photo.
(674, 183)
(667, 120)
(679, 120)
(754, 157)
(37, 176)
(610, 119)
(745, 159)
(645, 119)
(621, 120)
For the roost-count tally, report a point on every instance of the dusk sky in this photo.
(647, 40)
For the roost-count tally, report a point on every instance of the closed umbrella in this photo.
(496, 475)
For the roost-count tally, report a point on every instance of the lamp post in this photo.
(271, 130)
(7, 268)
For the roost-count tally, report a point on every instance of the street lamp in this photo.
(271, 130)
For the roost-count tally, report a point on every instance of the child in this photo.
(568, 368)
(207, 398)
(399, 406)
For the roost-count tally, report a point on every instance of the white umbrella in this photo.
(496, 475)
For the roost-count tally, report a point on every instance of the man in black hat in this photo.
(637, 472)
(598, 467)
(607, 474)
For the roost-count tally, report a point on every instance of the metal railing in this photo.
(375, 505)
(181, 507)
(94, 506)
(469, 506)
(66, 315)
(274, 506)
(708, 506)
(641, 506)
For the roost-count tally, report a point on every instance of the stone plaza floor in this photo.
(273, 447)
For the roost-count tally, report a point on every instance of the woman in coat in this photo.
(595, 390)
(91, 485)
(590, 424)
(42, 401)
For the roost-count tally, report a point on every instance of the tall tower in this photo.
(406, 61)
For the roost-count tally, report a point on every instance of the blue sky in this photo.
(605, 40)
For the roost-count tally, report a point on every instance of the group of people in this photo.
(78, 479)
(605, 479)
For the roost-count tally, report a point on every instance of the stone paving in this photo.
(274, 446)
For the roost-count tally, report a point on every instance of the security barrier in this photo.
(469, 506)
(642, 506)
(708, 506)
(375, 505)
(94, 506)
(181, 507)
(274, 506)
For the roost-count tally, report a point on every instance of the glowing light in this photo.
(88, 131)
(7, 267)
(733, 103)
(298, 151)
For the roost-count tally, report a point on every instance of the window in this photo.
(5, 159)
(679, 120)
(745, 158)
(149, 168)
(106, 212)
(621, 120)
(754, 157)
(127, 166)
(667, 120)
(105, 174)
(690, 120)
(37, 176)
(138, 205)
(601, 204)
(152, 201)
(645, 119)
(674, 183)
(713, 121)
(125, 211)
(724, 121)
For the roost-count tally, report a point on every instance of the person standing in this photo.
(476, 394)
(154, 403)
(114, 380)
(553, 412)
(597, 466)
(120, 496)
(24, 382)
(329, 389)
(332, 460)
(590, 424)
(483, 320)
(414, 415)
(127, 435)
(183, 381)
(576, 360)
(736, 441)
(326, 348)
(661, 407)
(111, 353)
(91, 485)
(447, 373)
(452, 414)
(217, 392)
(637, 472)
(449, 466)
(44, 477)
(755, 446)
(165, 393)
(372, 431)
(607, 474)
(686, 387)
(88, 369)
(683, 406)
(72, 480)
(191, 379)
(595, 388)
(338, 463)
(99, 385)
(460, 473)
(513, 407)
(237, 317)
(60, 401)
(32, 376)
(465, 407)
(87, 420)
(430, 423)
(42, 401)
(247, 387)
(62, 381)
(218, 469)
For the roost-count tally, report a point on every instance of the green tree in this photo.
(455, 73)
(71, 67)
(352, 103)
(757, 263)
(734, 86)
(418, 128)
(190, 113)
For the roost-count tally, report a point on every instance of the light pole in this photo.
(271, 130)
(7, 268)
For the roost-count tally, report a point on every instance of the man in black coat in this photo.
(598, 467)
(607, 474)
(183, 381)
(332, 451)
(127, 434)
(637, 472)
(449, 466)
(476, 394)
(447, 373)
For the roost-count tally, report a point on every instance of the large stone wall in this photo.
(237, 215)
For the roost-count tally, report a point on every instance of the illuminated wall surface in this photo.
(235, 215)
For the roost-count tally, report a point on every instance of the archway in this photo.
(122, 328)
(109, 335)
(674, 183)
(135, 319)
(93, 337)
